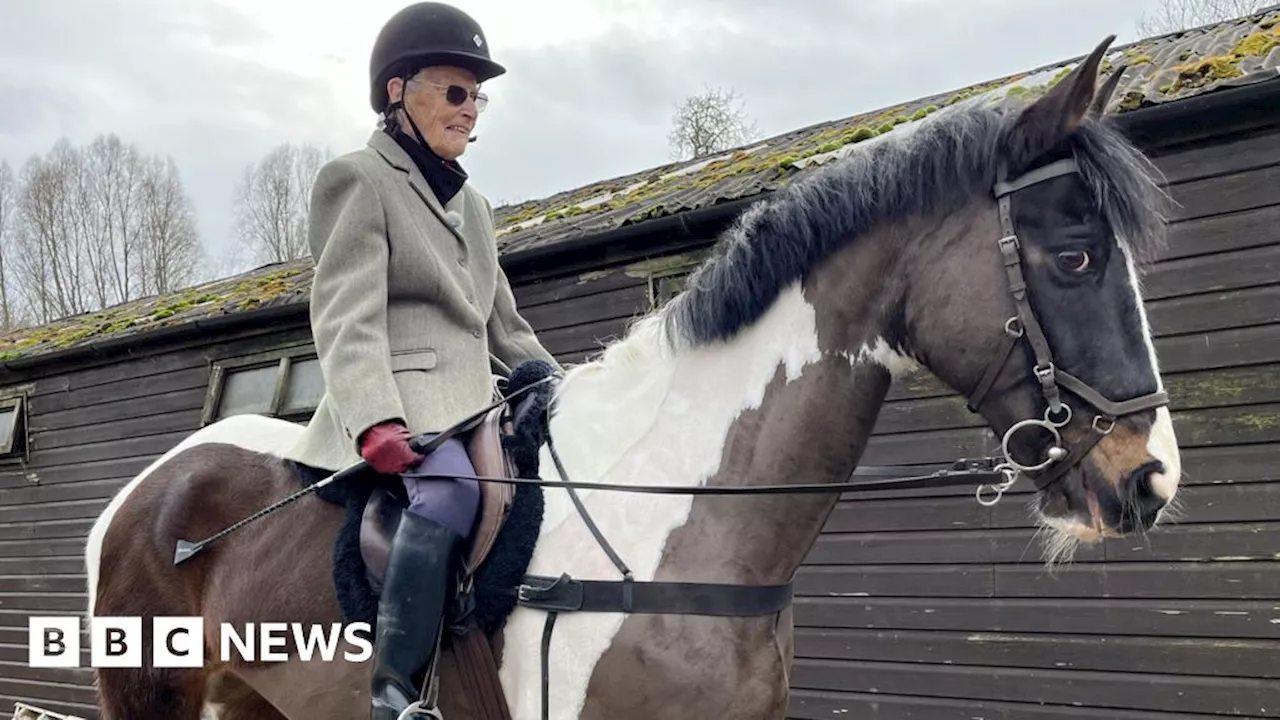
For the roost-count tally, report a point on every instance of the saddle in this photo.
(491, 459)
(501, 443)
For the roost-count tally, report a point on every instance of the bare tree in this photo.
(1175, 15)
(8, 215)
(272, 202)
(170, 255)
(51, 263)
(98, 226)
(115, 175)
(708, 123)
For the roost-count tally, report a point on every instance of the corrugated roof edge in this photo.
(168, 333)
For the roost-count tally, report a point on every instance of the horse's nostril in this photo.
(1141, 498)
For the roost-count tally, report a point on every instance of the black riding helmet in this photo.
(427, 33)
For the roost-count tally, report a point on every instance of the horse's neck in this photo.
(809, 430)
(770, 407)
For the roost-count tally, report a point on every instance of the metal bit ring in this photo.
(999, 490)
(1055, 452)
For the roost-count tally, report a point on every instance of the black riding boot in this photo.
(416, 588)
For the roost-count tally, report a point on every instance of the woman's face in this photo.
(431, 98)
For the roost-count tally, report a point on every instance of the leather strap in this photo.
(547, 627)
(582, 510)
(965, 471)
(1032, 177)
(1009, 249)
(565, 594)
(979, 392)
(1109, 407)
(1078, 451)
(426, 443)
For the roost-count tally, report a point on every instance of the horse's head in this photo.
(1039, 321)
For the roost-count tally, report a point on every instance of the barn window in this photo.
(666, 284)
(286, 385)
(12, 427)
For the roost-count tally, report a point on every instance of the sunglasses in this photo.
(456, 95)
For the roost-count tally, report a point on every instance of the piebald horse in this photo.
(996, 244)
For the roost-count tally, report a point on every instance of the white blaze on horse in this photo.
(995, 244)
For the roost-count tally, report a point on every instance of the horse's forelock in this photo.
(1127, 187)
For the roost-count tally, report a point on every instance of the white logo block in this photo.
(116, 642)
(53, 642)
(178, 642)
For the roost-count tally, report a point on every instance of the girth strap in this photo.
(565, 594)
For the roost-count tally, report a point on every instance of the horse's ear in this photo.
(1057, 114)
(1099, 104)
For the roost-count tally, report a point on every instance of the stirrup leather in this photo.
(426, 704)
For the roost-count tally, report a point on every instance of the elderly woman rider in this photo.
(408, 306)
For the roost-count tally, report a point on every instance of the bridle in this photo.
(1051, 378)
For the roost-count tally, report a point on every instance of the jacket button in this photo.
(476, 333)
(462, 261)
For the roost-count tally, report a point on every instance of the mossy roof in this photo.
(1162, 69)
(269, 286)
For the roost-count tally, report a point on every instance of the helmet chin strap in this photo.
(399, 105)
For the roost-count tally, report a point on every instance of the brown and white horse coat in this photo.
(770, 369)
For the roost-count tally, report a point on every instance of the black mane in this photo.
(937, 166)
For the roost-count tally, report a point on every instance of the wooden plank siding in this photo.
(919, 605)
(91, 430)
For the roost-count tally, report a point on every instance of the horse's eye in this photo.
(1075, 261)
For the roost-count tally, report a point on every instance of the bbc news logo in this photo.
(179, 642)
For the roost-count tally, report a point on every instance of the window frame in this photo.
(282, 358)
(656, 278)
(16, 445)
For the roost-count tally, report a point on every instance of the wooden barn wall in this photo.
(91, 430)
(927, 606)
(919, 605)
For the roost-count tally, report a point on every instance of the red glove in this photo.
(386, 448)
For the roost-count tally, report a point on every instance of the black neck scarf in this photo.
(446, 177)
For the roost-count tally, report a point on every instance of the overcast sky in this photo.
(589, 92)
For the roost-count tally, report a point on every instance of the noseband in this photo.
(1051, 378)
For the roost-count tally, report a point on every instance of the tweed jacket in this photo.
(408, 306)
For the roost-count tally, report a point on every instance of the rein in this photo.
(962, 472)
